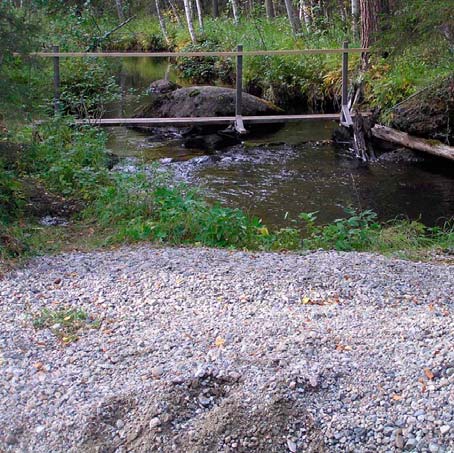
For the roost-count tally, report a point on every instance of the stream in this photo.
(279, 175)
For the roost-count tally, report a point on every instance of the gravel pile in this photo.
(201, 350)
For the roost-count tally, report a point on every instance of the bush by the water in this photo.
(74, 163)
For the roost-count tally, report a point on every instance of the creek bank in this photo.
(429, 114)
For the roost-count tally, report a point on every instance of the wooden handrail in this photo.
(232, 53)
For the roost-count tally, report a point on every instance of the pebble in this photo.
(154, 422)
(212, 344)
(291, 445)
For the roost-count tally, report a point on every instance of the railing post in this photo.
(239, 126)
(56, 49)
(345, 75)
(345, 112)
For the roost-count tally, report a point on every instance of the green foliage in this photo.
(11, 200)
(87, 85)
(362, 232)
(65, 323)
(142, 208)
(71, 161)
(205, 69)
(419, 45)
(356, 232)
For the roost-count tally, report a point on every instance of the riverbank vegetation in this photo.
(69, 170)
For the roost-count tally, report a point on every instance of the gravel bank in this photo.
(215, 351)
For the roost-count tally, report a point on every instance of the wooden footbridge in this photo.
(239, 121)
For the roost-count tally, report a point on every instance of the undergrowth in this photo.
(149, 206)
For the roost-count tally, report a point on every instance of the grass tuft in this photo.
(65, 323)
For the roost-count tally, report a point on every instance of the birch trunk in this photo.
(198, 4)
(306, 14)
(188, 11)
(355, 18)
(235, 11)
(293, 19)
(162, 24)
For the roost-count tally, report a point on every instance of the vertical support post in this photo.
(56, 49)
(239, 126)
(345, 75)
(345, 111)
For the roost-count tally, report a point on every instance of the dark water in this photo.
(293, 170)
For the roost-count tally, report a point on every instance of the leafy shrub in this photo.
(11, 200)
(356, 232)
(205, 69)
(87, 86)
(72, 161)
(139, 208)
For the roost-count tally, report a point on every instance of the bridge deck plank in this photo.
(207, 120)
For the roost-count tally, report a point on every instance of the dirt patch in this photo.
(207, 413)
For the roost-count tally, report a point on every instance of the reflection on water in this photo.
(287, 172)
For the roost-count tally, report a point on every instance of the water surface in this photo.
(290, 171)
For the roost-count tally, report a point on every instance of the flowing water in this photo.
(292, 170)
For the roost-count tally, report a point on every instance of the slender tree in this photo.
(355, 18)
(293, 19)
(188, 11)
(120, 12)
(235, 11)
(306, 13)
(269, 8)
(162, 23)
(198, 4)
(176, 13)
(215, 8)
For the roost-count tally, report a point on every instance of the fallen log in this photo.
(434, 147)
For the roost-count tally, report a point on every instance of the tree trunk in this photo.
(162, 24)
(342, 12)
(433, 147)
(176, 13)
(370, 14)
(293, 19)
(355, 18)
(119, 5)
(215, 8)
(198, 4)
(188, 11)
(235, 11)
(269, 8)
(305, 9)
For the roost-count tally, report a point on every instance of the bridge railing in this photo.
(239, 54)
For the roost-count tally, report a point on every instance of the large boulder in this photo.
(200, 101)
(203, 101)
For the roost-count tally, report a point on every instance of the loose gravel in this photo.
(201, 350)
